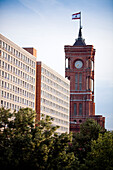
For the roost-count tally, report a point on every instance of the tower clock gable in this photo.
(79, 69)
(80, 66)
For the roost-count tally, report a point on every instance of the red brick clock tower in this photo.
(79, 69)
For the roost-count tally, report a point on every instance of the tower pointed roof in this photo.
(79, 41)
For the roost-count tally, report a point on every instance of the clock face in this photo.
(78, 64)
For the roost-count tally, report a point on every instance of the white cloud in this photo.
(41, 7)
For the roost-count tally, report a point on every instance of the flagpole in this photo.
(80, 20)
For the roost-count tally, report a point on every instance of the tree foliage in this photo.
(89, 131)
(24, 145)
(101, 155)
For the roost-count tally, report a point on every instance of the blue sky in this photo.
(47, 26)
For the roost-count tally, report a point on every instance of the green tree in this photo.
(60, 157)
(101, 155)
(89, 131)
(24, 145)
(15, 136)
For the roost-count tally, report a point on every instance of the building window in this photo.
(80, 121)
(10, 96)
(12, 106)
(80, 108)
(7, 95)
(1, 102)
(2, 73)
(5, 85)
(2, 83)
(4, 103)
(7, 104)
(5, 75)
(11, 50)
(8, 57)
(75, 109)
(76, 81)
(80, 81)
(2, 93)
(6, 66)
(86, 83)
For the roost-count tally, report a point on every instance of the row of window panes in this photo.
(63, 129)
(55, 99)
(78, 87)
(53, 91)
(18, 81)
(17, 90)
(10, 105)
(52, 111)
(56, 113)
(80, 109)
(17, 99)
(52, 104)
(51, 97)
(17, 71)
(18, 63)
(78, 80)
(60, 121)
(55, 119)
(54, 84)
(60, 128)
(17, 53)
(52, 76)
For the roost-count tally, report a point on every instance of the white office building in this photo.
(17, 76)
(54, 93)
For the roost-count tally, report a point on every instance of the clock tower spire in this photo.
(80, 33)
(79, 41)
(79, 69)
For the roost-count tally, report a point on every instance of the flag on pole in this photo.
(76, 15)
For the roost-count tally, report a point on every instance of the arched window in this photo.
(75, 109)
(76, 81)
(80, 121)
(75, 121)
(80, 108)
(80, 81)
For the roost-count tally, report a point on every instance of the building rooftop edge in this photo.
(17, 46)
(52, 70)
(85, 46)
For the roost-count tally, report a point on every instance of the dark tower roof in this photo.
(79, 41)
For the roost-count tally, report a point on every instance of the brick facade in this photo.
(79, 69)
(31, 50)
(38, 89)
